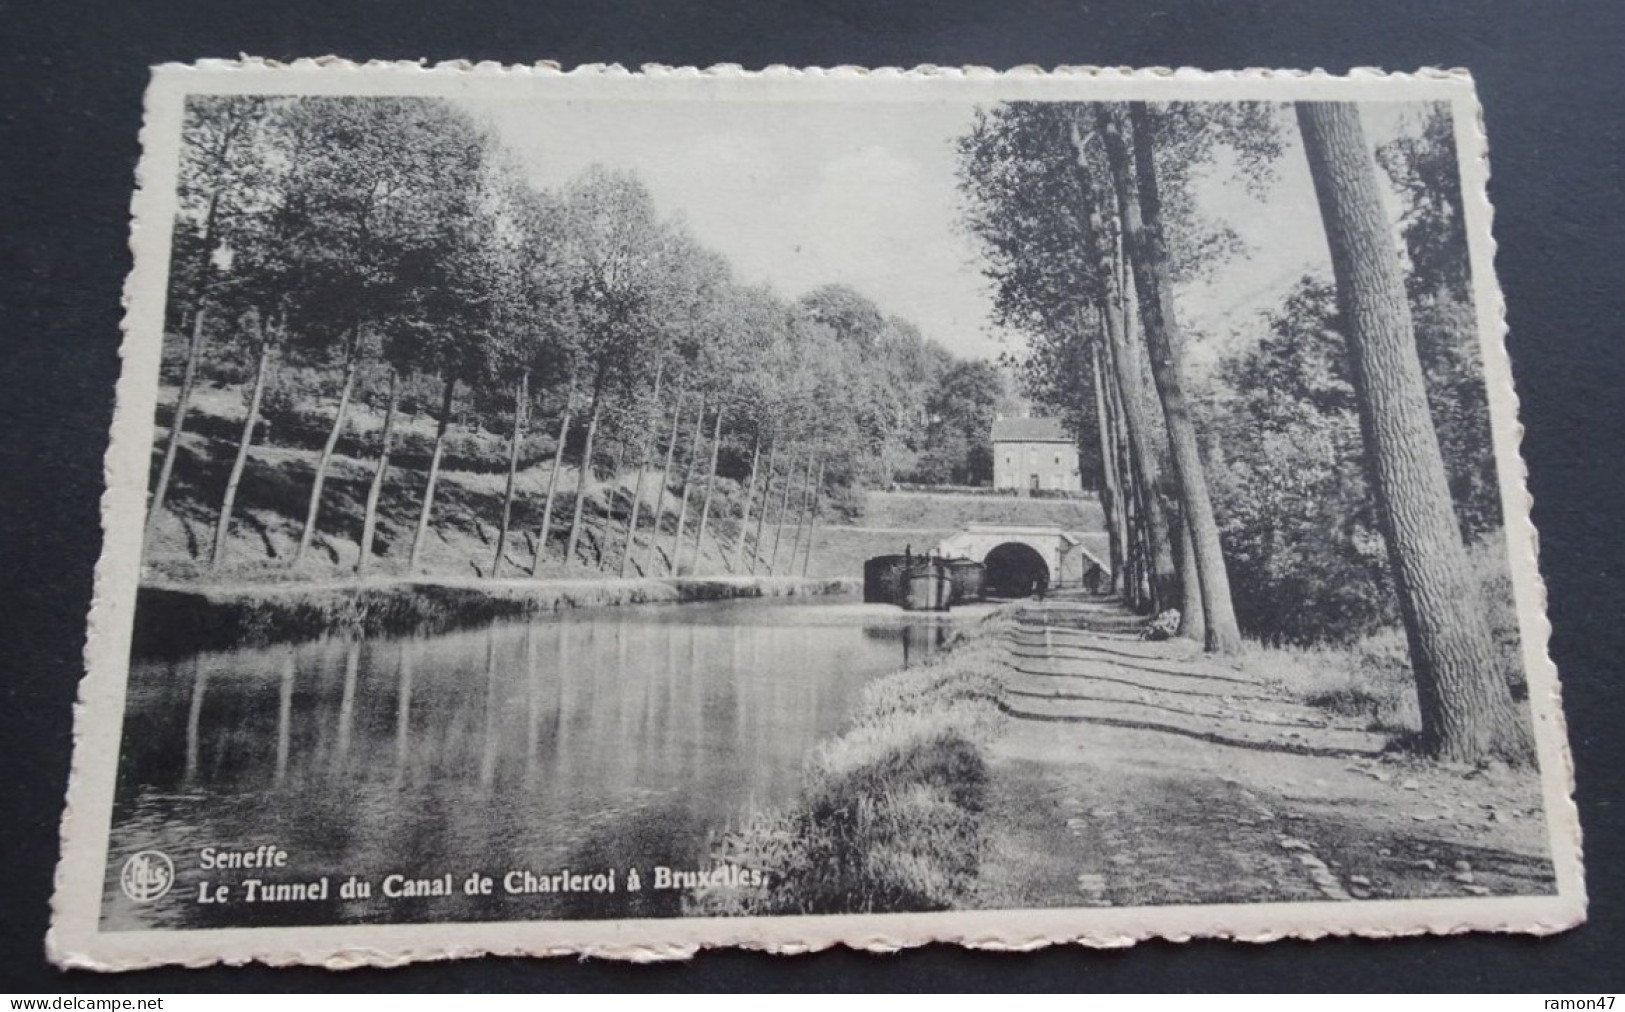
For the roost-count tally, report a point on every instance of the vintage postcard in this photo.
(625, 513)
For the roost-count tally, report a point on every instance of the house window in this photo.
(1057, 460)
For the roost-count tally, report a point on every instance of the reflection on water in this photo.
(611, 739)
(920, 640)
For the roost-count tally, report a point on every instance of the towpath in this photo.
(1144, 773)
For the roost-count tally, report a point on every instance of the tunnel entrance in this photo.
(1015, 570)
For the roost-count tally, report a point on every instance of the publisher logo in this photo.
(147, 875)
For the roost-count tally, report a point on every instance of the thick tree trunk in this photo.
(784, 507)
(1126, 517)
(520, 397)
(644, 444)
(1140, 209)
(313, 509)
(434, 474)
(1159, 571)
(767, 498)
(369, 523)
(750, 493)
(553, 481)
(710, 491)
(222, 530)
(183, 401)
(688, 482)
(665, 482)
(1129, 501)
(1467, 710)
(1110, 487)
(1136, 521)
(583, 475)
(1192, 613)
(812, 520)
(1153, 521)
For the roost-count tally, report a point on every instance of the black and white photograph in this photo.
(622, 513)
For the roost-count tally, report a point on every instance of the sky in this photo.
(802, 194)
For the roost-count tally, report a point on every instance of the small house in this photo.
(1032, 454)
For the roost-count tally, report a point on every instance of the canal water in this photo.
(588, 743)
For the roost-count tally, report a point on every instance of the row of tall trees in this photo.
(1086, 224)
(390, 251)
(1088, 221)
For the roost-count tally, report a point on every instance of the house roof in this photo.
(1029, 430)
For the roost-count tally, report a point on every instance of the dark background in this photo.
(1550, 78)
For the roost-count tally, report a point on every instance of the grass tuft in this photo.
(1368, 681)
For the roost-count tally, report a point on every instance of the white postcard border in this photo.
(75, 939)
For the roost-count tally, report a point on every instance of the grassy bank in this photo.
(890, 817)
(1368, 680)
(1371, 678)
(182, 619)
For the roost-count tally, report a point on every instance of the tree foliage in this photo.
(1298, 506)
(397, 255)
(1305, 548)
(1286, 454)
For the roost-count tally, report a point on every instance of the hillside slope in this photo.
(463, 527)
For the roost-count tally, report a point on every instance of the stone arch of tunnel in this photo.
(1015, 569)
